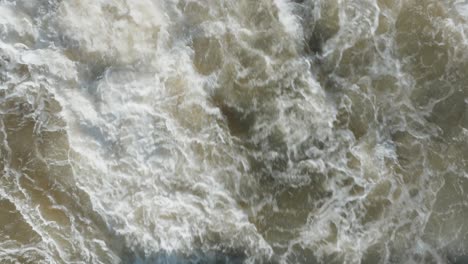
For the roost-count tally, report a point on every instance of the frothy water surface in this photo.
(270, 131)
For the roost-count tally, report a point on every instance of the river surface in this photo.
(234, 131)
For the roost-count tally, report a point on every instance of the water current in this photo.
(234, 131)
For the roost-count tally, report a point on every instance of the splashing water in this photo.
(270, 131)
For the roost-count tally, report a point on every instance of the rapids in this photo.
(234, 131)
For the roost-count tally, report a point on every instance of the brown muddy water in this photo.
(234, 131)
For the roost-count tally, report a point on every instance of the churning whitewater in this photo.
(234, 131)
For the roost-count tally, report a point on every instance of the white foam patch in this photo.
(288, 19)
(114, 31)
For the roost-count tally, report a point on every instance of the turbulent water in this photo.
(234, 131)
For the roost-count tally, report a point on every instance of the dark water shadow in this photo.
(164, 257)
